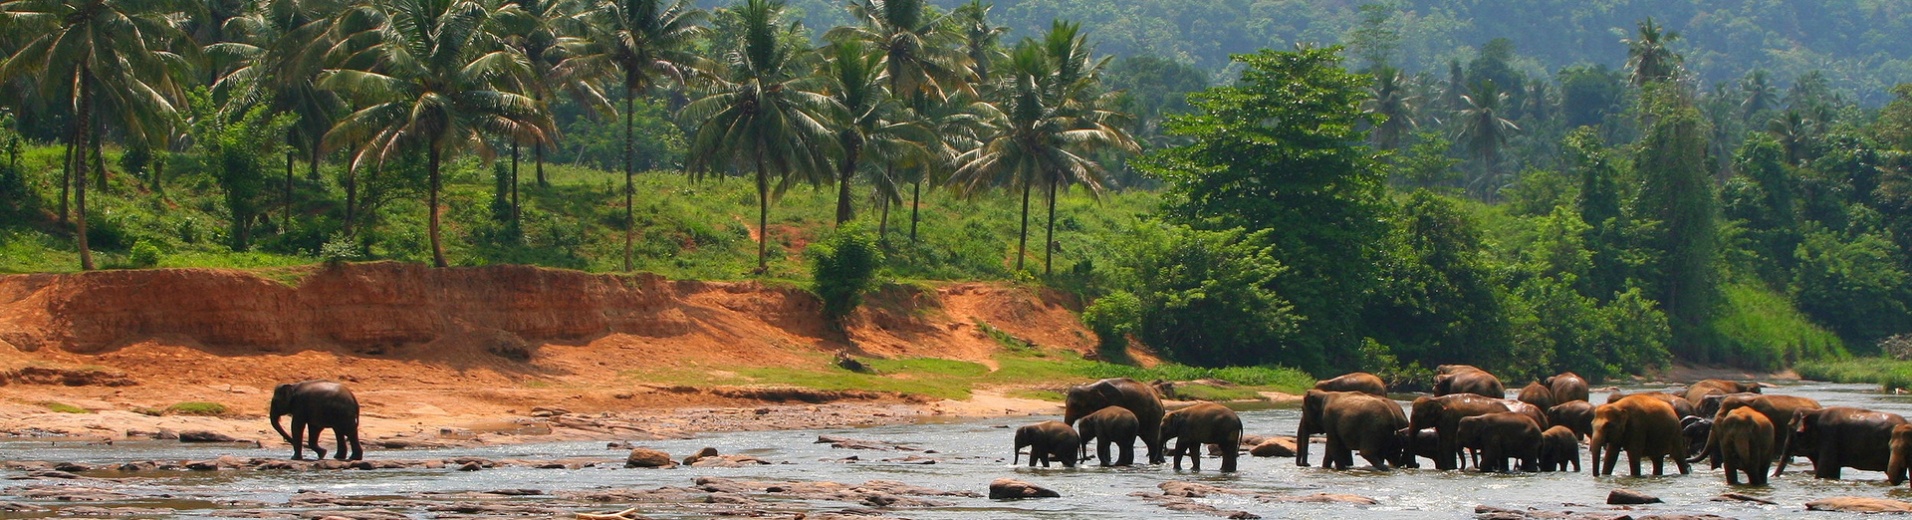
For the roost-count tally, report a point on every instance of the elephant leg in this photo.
(312, 440)
(1827, 465)
(1067, 454)
(1732, 472)
(1331, 453)
(1633, 460)
(298, 438)
(1374, 456)
(1126, 451)
(1757, 474)
(1446, 454)
(1229, 454)
(1155, 444)
(352, 434)
(1102, 452)
(1610, 461)
(1659, 465)
(339, 443)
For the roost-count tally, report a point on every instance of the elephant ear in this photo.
(1110, 394)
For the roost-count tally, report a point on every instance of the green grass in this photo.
(197, 408)
(1761, 329)
(1886, 372)
(64, 408)
(1201, 392)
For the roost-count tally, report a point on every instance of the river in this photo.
(967, 455)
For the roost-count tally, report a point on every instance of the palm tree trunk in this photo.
(431, 172)
(763, 216)
(514, 183)
(1022, 236)
(843, 210)
(82, 125)
(537, 152)
(351, 195)
(99, 163)
(1049, 238)
(286, 219)
(883, 224)
(916, 203)
(159, 173)
(630, 91)
(66, 171)
(312, 166)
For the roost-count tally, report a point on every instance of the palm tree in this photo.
(1648, 57)
(536, 28)
(764, 116)
(431, 86)
(641, 42)
(104, 57)
(1761, 94)
(1390, 97)
(1484, 132)
(280, 47)
(854, 81)
(980, 38)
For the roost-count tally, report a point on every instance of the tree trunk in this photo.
(538, 153)
(99, 162)
(431, 171)
(83, 124)
(351, 195)
(916, 203)
(285, 221)
(312, 167)
(514, 183)
(843, 210)
(1022, 236)
(883, 223)
(159, 172)
(763, 217)
(66, 171)
(630, 191)
(1049, 237)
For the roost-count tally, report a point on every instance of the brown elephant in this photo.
(1203, 423)
(1464, 379)
(1901, 459)
(1742, 439)
(1643, 425)
(1047, 441)
(1355, 382)
(1567, 387)
(1681, 406)
(1779, 409)
(1538, 395)
(1444, 414)
(1559, 447)
(1500, 436)
(1351, 421)
(1709, 405)
(1841, 437)
(1138, 398)
(1111, 425)
(1575, 415)
(1416, 444)
(1697, 391)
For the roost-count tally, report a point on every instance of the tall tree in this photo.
(278, 48)
(1484, 131)
(536, 28)
(103, 57)
(1649, 59)
(1678, 193)
(981, 39)
(764, 116)
(872, 122)
(640, 42)
(1392, 99)
(430, 84)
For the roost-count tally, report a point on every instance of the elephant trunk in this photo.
(1785, 449)
(276, 413)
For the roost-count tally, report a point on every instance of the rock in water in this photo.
(1859, 505)
(1003, 488)
(648, 458)
(1274, 447)
(705, 453)
(1631, 497)
(205, 436)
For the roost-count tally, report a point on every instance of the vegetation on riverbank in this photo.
(1890, 374)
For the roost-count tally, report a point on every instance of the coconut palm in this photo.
(430, 85)
(980, 38)
(536, 28)
(1390, 97)
(104, 57)
(870, 124)
(279, 48)
(1648, 56)
(641, 43)
(1761, 94)
(1485, 132)
(763, 116)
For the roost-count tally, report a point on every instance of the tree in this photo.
(104, 57)
(1391, 99)
(1437, 302)
(640, 42)
(1484, 132)
(854, 81)
(1307, 179)
(764, 117)
(1649, 59)
(280, 47)
(981, 39)
(431, 85)
(1678, 193)
(537, 28)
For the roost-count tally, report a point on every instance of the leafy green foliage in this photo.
(842, 267)
(1207, 297)
(1114, 317)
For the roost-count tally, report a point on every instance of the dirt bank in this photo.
(445, 349)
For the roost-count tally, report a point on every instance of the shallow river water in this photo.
(969, 454)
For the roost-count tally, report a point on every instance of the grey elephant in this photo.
(314, 407)
(1111, 425)
(1048, 441)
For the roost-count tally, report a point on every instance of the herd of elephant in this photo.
(1724, 423)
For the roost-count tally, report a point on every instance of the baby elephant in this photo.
(1047, 440)
(1204, 423)
(314, 407)
(1558, 448)
(1112, 424)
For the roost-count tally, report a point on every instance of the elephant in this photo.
(1500, 436)
(1575, 415)
(1643, 425)
(1841, 437)
(1538, 395)
(314, 407)
(1700, 390)
(1444, 414)
(1696, 429)
(1709, 405)
(1559, 446)
(1743, 440)
(1416, 444)
(1463, 379)
(1115, 425)
(1896, 466)
(1779, 409)
(1203, 423)
(1567, 387)
(1138, 398)
(1681, 406)
(1048, 440)
(1355, 382)
(1351, 421)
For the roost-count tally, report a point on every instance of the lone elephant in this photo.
(314, 407)
(1742, 439)
(1643, 425)
(1351, 421)
(1567, 387)
(1355, 382)
(1137, 397)
(1203, 423)
(1048, 441)
(1841, 437)
(1112, 425)
(1500, 436)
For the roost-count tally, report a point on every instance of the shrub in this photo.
(1113, 318)
(340, 249)
(843, 266)
(197, 408)
(145, 254)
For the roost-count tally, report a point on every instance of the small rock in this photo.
(471, 466)
(143, 465)
(1630, 497)
(1859, 505)
(1003, 488)
(707, 452)
(1732, 497)
(71, 467)
(1325, 498)
(204, 436)
(648, 458)
(1274, 447)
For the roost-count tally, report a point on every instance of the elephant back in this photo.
(1538, 395)
(1136, 397)
(1567, 387)
(1354, 382)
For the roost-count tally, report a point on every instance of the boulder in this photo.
(1004, 488)
(205, 436)
(1274, 447)
(1859, 505)
(648, 458)
(707, 452)
(1630, 497)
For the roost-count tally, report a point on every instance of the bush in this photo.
(145, 254)
(196, 408)
(1113, 318)
(340, 249)
(843, 266)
